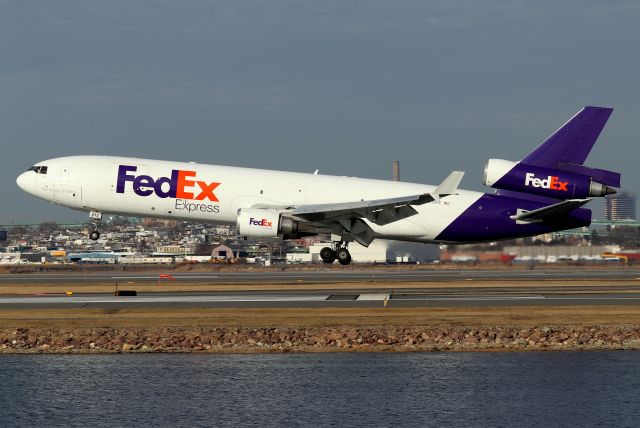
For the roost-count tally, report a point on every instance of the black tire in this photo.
(343, 256)
(327, 255)
(94, 235)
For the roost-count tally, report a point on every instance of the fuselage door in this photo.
(67, 192)
(64, 175)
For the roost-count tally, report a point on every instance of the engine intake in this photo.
(508, 175)
(264, 223)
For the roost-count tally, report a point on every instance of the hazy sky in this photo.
(342, 86)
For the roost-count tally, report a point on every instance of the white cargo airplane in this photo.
(540, 194)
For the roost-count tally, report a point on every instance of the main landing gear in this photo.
(339, 252)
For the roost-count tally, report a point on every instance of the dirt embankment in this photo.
(315, 339)
(320, 330)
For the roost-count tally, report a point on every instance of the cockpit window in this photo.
(38, 169)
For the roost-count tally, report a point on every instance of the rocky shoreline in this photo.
(318, 339)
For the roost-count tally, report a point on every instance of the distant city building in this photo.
(621, 206)
(222, 252)
(558, 253)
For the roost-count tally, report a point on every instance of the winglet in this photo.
(449, 186)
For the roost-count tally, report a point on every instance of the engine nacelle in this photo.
(507, 175)
(264, 223)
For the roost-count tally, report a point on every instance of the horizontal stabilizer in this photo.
(549, 212)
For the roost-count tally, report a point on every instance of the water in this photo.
(422, 389)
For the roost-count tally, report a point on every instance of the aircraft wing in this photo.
(378, 211)
(549, 212)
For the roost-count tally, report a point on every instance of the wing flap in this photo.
(379, 211)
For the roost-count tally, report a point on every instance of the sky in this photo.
(342, 86)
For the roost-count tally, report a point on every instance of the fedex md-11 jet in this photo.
(542, 193)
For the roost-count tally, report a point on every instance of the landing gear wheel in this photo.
(94, 235)
(343, 256)
(328, 255)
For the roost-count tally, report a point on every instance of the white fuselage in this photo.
(212, 193)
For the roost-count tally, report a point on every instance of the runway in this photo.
(333, 275)
(313, 299)
(314, 289)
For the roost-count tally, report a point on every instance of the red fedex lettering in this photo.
(558, 185)
(183, 182)
(207, 191)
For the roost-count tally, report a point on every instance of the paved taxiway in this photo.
(314, 299)
(333, 275)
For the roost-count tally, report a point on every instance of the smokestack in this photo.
(396, 170)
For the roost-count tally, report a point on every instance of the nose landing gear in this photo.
(339, 252)
(96, 217)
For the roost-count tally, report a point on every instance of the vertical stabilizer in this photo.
(571, 143)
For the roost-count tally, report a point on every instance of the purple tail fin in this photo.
(571, 143)
(568, 148)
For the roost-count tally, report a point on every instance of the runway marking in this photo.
(161, 299)
(373, 296)
(475, 298)
(177, 276)
(516, 298)
(594, 298)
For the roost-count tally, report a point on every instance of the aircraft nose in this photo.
(25, 181)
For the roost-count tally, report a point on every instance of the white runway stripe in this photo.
(373, 296)
(176, 276)
(162, 299)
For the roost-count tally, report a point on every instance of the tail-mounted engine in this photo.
(554, 183)
(265, 223)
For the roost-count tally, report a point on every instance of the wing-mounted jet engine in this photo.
(265, 223)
